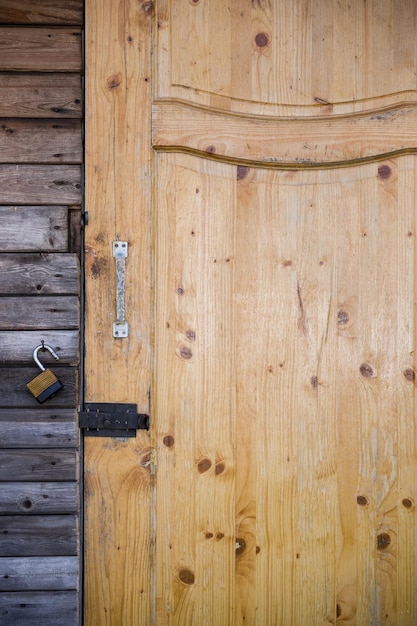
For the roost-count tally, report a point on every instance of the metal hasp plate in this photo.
(112, 419)
(120, 326)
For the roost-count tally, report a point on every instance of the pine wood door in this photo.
(259, 158)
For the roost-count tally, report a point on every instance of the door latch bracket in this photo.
(112, 419)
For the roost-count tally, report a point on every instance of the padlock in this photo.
(46, 384)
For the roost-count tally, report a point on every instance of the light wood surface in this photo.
(282, 450)
(284, 143)
(118, 198)
(284, 301)
(293, 58)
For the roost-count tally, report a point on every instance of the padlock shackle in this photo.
(44, 346)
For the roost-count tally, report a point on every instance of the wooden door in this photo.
(271, 223)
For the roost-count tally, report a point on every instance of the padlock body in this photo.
(44, 386)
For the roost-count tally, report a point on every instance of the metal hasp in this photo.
(112, 419)
(120, 326)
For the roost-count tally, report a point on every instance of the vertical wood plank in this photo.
(407, 434)
(195, 412)
(118, 201)
(246, 343)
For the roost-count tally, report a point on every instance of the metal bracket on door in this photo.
(120, 326)
(112, 419)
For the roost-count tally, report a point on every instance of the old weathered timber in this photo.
(56, 535)
(42, 573)
(38, 274)
(21, 313)
(40, 211)
(64, 342)
(34, 228)
(39, 498)
(34, 607)
(41, 184)
(40, 49)
(55, 96)
(42, 12)
(39, 464)
(45, 141)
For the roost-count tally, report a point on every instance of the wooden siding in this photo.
(41, 156)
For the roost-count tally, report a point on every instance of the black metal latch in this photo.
(112, 419)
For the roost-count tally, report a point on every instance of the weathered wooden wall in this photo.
(40, 213)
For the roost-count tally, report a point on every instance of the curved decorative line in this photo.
(283, 143)
(370, 113)
(285, 165)
(406, 95)
(317, 108)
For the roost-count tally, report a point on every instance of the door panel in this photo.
(277, 483)
(284, 355)
(304, 58)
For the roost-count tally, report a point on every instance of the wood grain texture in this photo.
(17, 347)
(40, 96)
(45, 312)
(45, 573)
(40, 141)
(285, 322)
(41, 156)
(117, 475)
(42, 12)
(39, 274)
(43, 535)
(40, 49)
(40, 184)
(39, 607)
(38, 465)
(34, 229)
(194, 411)
(284, 58)
(283, 449)
(118, 196)
(38, 434)
(38, 498)
(284, 143)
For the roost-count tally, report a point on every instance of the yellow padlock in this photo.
(46, 384)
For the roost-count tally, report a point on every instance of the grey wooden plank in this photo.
(38, 498)
(38, 435)
(40, 184)
(41, 312)
(40, 141)
(38, 465)
(41, 96)
(38, 573)
(38, 535)
(41, 608)
(41, 12)
(39, 274)
(40, 49)
(43, 413)
(13, 391)
(17, 346)
(33, 228)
